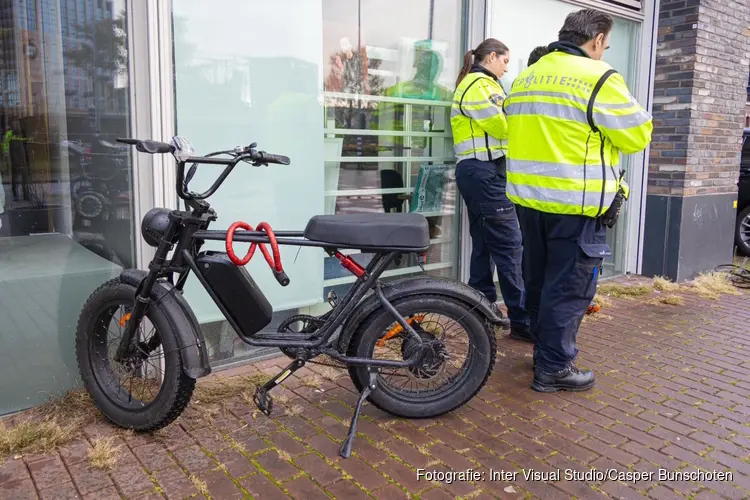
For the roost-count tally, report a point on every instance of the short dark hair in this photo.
(585, 25)
(537, 54)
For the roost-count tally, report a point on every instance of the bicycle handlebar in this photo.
(246, 154)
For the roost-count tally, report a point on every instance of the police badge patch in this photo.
(497, 99)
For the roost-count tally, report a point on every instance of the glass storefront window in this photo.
(511, 23)
(357, 94)
(66, 201)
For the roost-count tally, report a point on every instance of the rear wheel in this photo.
(149, 389)
(742, 232)
(436, 385)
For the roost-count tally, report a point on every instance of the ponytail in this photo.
(484, 49)
(468, 63)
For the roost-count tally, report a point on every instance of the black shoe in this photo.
(506, 322)
(521, 333)
(567, 379)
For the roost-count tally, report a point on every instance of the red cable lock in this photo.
(274, 262)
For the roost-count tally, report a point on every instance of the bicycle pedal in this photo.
(263, 400)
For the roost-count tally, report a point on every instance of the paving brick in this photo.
(109, 493)
(75, 451)
(318, 469)
(284, 441)
(279, 468)
(402, 475)
(131, 480)
(305, 489)
(154, 457)
(220, 486)
(653, 456)
(13, 470)
(568, 449)
(87, 479)
(408, 453)
(619, 490)
(660, 492)
(616, 454)
(175, 483)
(363, 473)
(346, 489)
(49, 472)
(259, 486)
(64, 491)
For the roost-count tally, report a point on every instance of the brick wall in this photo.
(700, 95)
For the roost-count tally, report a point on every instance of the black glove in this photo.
(610, 217)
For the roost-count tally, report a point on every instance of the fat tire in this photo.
(481, 365)
(177, 387)
(743, 247)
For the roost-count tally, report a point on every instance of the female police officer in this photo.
(480, 133)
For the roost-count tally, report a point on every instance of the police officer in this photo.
(569, 117)
(537, 53)
(480, 133)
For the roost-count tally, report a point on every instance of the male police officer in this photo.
(569, 117)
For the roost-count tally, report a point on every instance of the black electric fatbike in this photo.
(140, 348)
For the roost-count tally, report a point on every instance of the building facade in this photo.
(356, 93)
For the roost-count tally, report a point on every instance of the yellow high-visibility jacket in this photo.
(563, 155)
(478, 122)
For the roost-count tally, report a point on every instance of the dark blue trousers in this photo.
(562, 260)
(495, 234)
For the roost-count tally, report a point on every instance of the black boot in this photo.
(567, 379)
(521, 332)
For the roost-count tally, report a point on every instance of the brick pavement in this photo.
(673, 394)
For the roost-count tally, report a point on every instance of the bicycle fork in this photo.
(143, 297)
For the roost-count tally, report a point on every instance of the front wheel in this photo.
(436, 385)
(742, 232)
(149, 389)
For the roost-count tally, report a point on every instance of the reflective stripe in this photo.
(577, 99)
(478, 143)
(577, 200)
(561, 170)
(565, 112)
(464, 146)
(479, 114)
(615, 122)
(482, 155)
(469, 103)
(546, 109)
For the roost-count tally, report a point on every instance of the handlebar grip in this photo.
(132, 142)
(281, 277)
(278, 159)
(154, 147)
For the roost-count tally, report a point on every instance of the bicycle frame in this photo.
(188, 231)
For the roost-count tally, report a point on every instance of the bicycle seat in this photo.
(407, 232)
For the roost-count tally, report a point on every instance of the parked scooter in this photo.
(157, 341)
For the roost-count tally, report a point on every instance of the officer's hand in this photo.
(609, 219)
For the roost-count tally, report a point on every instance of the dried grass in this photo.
(50, 425)
(199, 484)
(713, 285)
(602, 301)
(102, 455)
(34, 436)
(671, 300)
(625, 291)
(663, 284)
(220, 389)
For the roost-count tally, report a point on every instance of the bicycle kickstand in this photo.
(262, 399)
(346, 448)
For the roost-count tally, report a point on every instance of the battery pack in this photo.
(235, 291)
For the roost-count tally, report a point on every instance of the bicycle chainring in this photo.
(309, 325)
